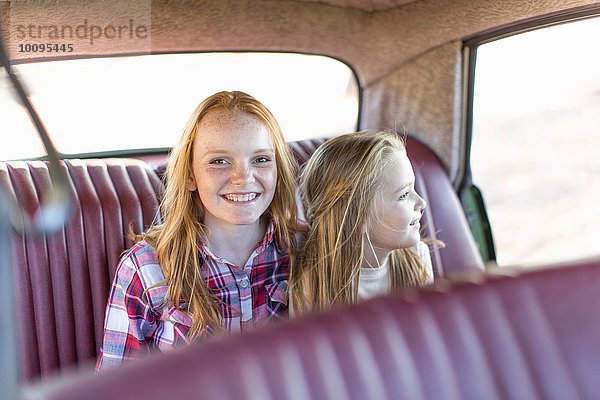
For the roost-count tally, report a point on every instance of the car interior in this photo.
(479, 332)
(63, 280)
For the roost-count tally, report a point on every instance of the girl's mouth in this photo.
(240, 197)
(416, 222)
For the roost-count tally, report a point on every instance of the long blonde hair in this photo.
(339, 186)
(176, 239)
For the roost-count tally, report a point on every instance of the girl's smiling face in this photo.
(233, 168)
(394, 222)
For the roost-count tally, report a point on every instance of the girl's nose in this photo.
(242, 174)
(420, 203)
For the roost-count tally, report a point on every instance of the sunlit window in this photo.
(107, 104)
(536, 142)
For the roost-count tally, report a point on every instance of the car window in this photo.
(536, 140)
(143, 102)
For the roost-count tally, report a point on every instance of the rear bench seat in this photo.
(62, 280)
(531, 336)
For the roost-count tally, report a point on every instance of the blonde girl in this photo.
(363, 210)
(220, 259)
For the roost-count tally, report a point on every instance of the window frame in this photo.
(472, 199)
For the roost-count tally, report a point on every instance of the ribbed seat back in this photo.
(531, 336)
(62, 279)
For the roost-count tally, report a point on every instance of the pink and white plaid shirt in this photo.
(136, 324)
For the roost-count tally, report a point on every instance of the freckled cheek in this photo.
(268, 177)
(211, 180)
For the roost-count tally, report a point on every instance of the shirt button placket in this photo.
(245, 297)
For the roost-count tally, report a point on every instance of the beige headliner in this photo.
(407, 55)
(365, 5)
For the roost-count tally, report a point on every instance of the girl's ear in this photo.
(191, 182)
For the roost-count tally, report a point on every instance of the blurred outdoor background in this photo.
(536, 143)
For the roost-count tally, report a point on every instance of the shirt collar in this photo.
(262, 245)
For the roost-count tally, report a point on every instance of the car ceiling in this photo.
(376, 37)
(364, 5)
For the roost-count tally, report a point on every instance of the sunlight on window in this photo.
(535, 142)
(105, 104)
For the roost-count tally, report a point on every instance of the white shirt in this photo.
(376, 281)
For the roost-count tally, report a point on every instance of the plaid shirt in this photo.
(247, 296)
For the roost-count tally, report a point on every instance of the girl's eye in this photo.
(403, 196)
(262, 159)
(218, 161)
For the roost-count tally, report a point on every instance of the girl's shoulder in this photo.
(422, 249)
(141, 257)
(139, 266)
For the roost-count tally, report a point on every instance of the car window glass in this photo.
(121, 103)
(536, 141)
